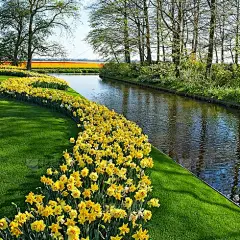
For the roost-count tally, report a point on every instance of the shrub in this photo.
(221, 75)
(121, 69)
(156, 73)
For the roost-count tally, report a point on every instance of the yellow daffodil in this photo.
(3, 224)
(38, 226)
(73, 233)
(141, 235)
(116, 238)
(124, 229)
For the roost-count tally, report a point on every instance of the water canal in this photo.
(202, 137)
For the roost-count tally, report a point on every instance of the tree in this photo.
(212, 25)
(200, 30)
(237, 4)
(105, 43)
(126, 32)
(25, 27)
(42, 46)
(13, 17)
(10, 50)
(45, 16)
(148, 34)
(172, 16)
(110, 28)
(196, 13)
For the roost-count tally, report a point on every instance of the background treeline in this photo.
(26, 25)
(175, 31)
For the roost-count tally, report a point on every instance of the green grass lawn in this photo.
(189, 208)
(72, 92)
(32, 139)
(2, 77)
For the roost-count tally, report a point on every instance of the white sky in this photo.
(75, 45)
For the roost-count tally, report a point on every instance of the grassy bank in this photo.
(32, 139)
(189, 208)
(223, 84)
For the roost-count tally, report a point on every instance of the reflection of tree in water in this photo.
(125, 91)
(202, 142)
(186, 132)
(235, 187)
(172, 128)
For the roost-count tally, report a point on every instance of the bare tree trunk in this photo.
(158, 30)
(200, 55)
(230, 49)
(15, 56)
(222, 48)
(30, 36)
(178, 41)
(195, 30)
(237, 33)
(211, 36)
(143, 40)
(222, 31)
(126, 35)
(163, 48)
(18, 43)
(182, 25)
(186, 41)
(16, 49)
(173, 31)
(140, 46)
(216, 52)
(148, 37)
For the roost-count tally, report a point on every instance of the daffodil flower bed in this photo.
(16, 71)
(32, 83)
(100, 190)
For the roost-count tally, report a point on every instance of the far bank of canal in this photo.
(202, 137)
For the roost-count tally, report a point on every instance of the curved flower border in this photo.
(100, 190)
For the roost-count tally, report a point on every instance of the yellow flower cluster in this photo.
(8, 67)
(63, 64)
(33, 84)
(16, 71)
(100, 190)
(48, 81)
(52, 64)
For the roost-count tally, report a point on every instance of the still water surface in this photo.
(203, 137)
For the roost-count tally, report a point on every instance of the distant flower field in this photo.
(49, 64)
